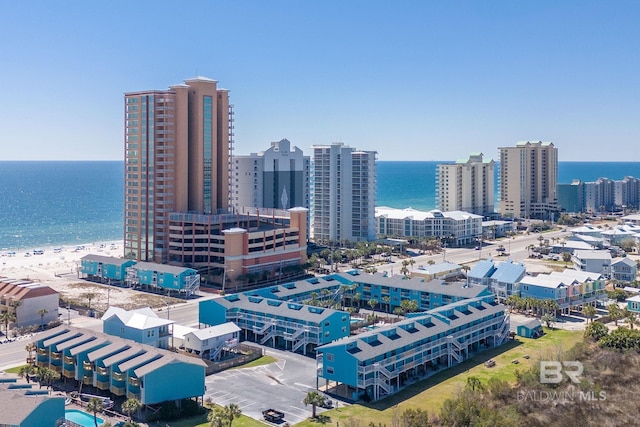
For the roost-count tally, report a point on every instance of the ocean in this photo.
(65, 203)
(45, 204)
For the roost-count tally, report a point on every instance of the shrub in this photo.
(596, 331)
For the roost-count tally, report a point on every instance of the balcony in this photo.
(42, 352)
(118, 391)
(56, 355)
(88, 366)
(133, 394)
(135, 382)
(102, 371)
(87, 380)
(68, 360)
(103, 385)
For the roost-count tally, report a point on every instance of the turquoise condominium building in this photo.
(454, 320)
(378, 363)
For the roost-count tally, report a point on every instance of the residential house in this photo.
(592, 261)
(212, 342)
(142, 325)
(169, 278)
(104, 269)
(441, 270)
(501, 279)
(624, 269)
(571, 289)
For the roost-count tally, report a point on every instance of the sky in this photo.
(412, 80)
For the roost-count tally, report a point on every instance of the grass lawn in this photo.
(264, 360)
(431, 393)
(14, 370)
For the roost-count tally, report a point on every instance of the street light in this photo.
(168, 308)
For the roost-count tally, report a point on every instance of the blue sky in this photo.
(413, 80)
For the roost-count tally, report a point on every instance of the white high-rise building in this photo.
(528, 180)
(275, 178)
(466, 185)
(343, 194)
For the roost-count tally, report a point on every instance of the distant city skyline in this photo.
(412, 80)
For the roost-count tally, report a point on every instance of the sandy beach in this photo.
(58, 268)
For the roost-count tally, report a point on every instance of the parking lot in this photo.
(282, 385)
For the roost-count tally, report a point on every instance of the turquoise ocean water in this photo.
(45, 204)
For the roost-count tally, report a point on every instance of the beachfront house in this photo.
(104, 269)
(380, 362)
(163, 278)
(624, 269)
(119, 366)
(32, 304)
(24, 406)
(592, 261)
(141, 325)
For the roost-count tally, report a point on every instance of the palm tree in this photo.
(614, 312)
(95, 406)
(387, 301)
(232, 411)
(131, 405)
(25, 372)
(89, 296)
(216, 417)
(6, 318)
(589, 312)
(42, 312)
(549, 319)
(629, 316)
(314, 399)
(373, 303)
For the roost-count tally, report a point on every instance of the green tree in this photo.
(216, 417)
(95, 406)
(232, 411)
(474, 384)
(566, 257)
(89, 296)
(130, 406)
(314, 399)
(549, 319)
(615, 313)
(7, 317)
(596, 331)
(25, 372)
(42, 312)
(589, 312)
(373, 303)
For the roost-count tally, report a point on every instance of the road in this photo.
(515, 247)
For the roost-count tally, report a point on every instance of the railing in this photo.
(118, 391)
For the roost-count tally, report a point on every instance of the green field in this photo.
(430, 394)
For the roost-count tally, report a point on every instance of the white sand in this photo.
(60, 271)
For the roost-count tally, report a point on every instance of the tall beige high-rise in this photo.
(177, 145)
(466, 185)
(529, 180)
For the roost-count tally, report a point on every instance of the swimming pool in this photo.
(81, 418)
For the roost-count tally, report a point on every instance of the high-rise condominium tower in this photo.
(528, 180)
(275, 178)
(466, 185)
(343, 199)
(177, 145)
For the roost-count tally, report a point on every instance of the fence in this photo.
(248, 354)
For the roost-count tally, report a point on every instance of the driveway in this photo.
(282, 385)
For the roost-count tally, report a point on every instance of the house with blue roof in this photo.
(119, 366)
(378, 363)
(501, 279)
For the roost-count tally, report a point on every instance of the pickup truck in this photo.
(273, 416)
